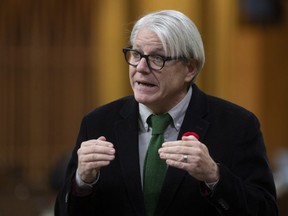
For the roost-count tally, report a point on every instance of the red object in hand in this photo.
(191, 133)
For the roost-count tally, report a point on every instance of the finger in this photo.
(178, 149)
(92, 165)
(186, 141)
(100, 141)
(99, 145)
(174, 157)
(102, 138)
(177, 164)
(176, 143)
(191, 137)
(189, 133)
(96, 149)
(96, 157)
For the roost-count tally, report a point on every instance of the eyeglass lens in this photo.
(154, 61)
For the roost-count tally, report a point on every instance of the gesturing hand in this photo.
(191, 155)
(92, 155)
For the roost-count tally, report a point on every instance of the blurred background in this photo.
(59, 59)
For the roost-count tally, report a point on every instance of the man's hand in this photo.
(92, 155)
(198, 162)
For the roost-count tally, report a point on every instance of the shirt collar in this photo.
(177, 112)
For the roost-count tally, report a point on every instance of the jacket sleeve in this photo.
(65, 199)
(246, 187)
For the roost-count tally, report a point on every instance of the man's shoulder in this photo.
(226, 111)
(218, 104)
(227, 105)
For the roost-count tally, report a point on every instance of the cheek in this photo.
(132, 72)
(173, 83)
(169, 80)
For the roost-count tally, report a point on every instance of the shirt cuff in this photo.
(82, 188)
(211, 185)
(82, 184)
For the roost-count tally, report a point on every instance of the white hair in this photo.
(178, 34)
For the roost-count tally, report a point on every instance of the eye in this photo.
(135, 54)
(157, 59)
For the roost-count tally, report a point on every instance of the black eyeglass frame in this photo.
(164, 58)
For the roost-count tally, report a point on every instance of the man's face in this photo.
(160, 90)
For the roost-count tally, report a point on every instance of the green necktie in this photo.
(155, 168)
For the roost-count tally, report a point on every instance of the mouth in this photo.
(145, 84)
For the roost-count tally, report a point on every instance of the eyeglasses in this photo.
(155, 62)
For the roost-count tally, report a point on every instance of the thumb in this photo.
(102, 138)
(190, 137)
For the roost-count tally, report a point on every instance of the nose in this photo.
(143, 65)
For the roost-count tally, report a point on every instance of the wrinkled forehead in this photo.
(149, 36)
(145, 37)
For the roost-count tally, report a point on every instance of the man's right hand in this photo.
(92, 155)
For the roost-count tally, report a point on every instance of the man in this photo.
(219, 168)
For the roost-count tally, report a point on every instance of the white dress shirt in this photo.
(171, 133)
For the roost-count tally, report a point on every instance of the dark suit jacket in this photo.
(233, 137)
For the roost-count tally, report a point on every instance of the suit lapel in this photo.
(126, 131)
(194, 121)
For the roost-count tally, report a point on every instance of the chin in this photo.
(143, 98)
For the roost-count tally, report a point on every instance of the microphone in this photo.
(191, 133)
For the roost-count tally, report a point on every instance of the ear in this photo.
(191, 70)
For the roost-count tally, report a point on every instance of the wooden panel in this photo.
(45, 83)
(111, 71)
(61, 58)
(246, 65)
(275, 88)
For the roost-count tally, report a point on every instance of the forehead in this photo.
(146, 38)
